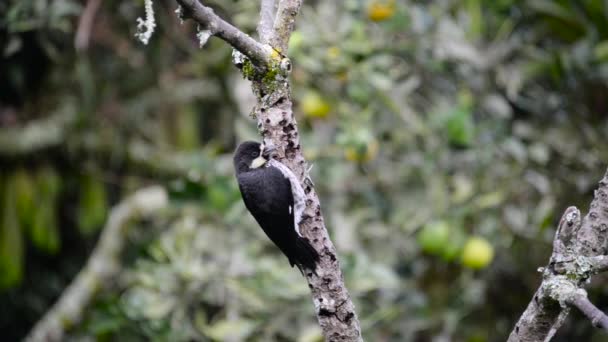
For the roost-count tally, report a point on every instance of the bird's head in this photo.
(252, 155)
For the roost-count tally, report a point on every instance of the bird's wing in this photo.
(267, 194)
(298, 194)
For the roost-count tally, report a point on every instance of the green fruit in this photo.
(434, 237)
(460, 127)
(453, 248)
(477, 253)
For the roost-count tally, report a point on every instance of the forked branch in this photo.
(259, 53)
(579, 250)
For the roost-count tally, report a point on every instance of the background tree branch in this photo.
(567, 271)
(36, 135)
(101, 268)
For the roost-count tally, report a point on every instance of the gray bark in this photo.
(277, 124)
(258, 53)
(578, 252)
(267, 13)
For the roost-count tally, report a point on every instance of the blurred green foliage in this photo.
(428, 123)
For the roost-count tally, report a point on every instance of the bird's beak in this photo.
(269, 151)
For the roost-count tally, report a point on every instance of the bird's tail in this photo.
(306, 255)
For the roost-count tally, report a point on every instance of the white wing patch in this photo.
(299, 197)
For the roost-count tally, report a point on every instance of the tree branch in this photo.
(36, 135)
(267, 9)
(578, 250)
(284, 24)
(598, 263)
(593, 234)
(277, 124)
(258, 53)
(597, 317)
(101, 268)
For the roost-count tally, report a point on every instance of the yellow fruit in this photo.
(379, 11)
(477, 253)
(333, 52)
(342, 76)
(313, 105)
(362, 153)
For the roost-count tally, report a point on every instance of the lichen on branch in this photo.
(578, 252)
(146, 26)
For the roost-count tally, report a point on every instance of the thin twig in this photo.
(102, 266)
(259, 54)
(284, 24)
(85, 25)
(267, 9)
(597, 317)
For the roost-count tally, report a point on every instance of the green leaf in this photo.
(476, 18)
(92, 207)
(11, 242)
(44, 232)
(23, 187)
(49, 182)
(601, 51)
(224, 330)
(434, 237)
(489, 200)
(186, 129)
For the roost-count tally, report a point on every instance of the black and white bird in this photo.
(275, 198)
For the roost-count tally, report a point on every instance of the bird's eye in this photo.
(254, 154)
